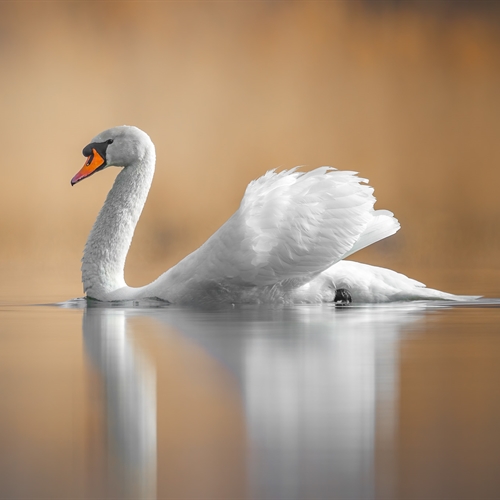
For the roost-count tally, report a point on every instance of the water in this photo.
(147, 401)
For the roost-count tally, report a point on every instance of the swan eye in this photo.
(110, 141)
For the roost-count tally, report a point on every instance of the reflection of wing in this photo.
(319, 387)
(130, 390)
(290, 226)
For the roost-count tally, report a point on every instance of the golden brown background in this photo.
(406, 93)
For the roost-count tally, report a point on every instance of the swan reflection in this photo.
(318, 385)
(130, 399)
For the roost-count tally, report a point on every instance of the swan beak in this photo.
(93, 163)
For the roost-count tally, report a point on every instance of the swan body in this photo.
(284, 244)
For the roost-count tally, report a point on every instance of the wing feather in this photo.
(291, 226)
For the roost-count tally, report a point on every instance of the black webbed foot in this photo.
(342, 297)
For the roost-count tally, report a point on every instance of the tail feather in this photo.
(424, 293)
(368, 284)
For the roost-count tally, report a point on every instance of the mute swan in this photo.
(285, 243)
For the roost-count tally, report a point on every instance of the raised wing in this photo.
(296, 224)
(290, 226)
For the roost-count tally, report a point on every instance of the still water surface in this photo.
(146, 401)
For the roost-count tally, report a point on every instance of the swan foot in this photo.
(342, 297)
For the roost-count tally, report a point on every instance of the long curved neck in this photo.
(109, 241)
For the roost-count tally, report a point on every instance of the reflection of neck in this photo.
(109, 241)
(129, 381)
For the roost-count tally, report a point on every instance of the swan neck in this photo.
(106, 249)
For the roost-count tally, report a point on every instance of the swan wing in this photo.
(297, 224)
(381, 225)
(289, 227)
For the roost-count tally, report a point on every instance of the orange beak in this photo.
(92, 164)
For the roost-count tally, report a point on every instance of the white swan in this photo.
(284, 244)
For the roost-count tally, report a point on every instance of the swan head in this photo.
(116, 147)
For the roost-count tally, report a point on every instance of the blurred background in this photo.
(406, 93)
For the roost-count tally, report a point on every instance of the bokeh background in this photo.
(406, 93)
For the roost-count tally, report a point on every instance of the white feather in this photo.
(377, 284)
(283, 244)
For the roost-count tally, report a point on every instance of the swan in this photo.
(284, 245)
